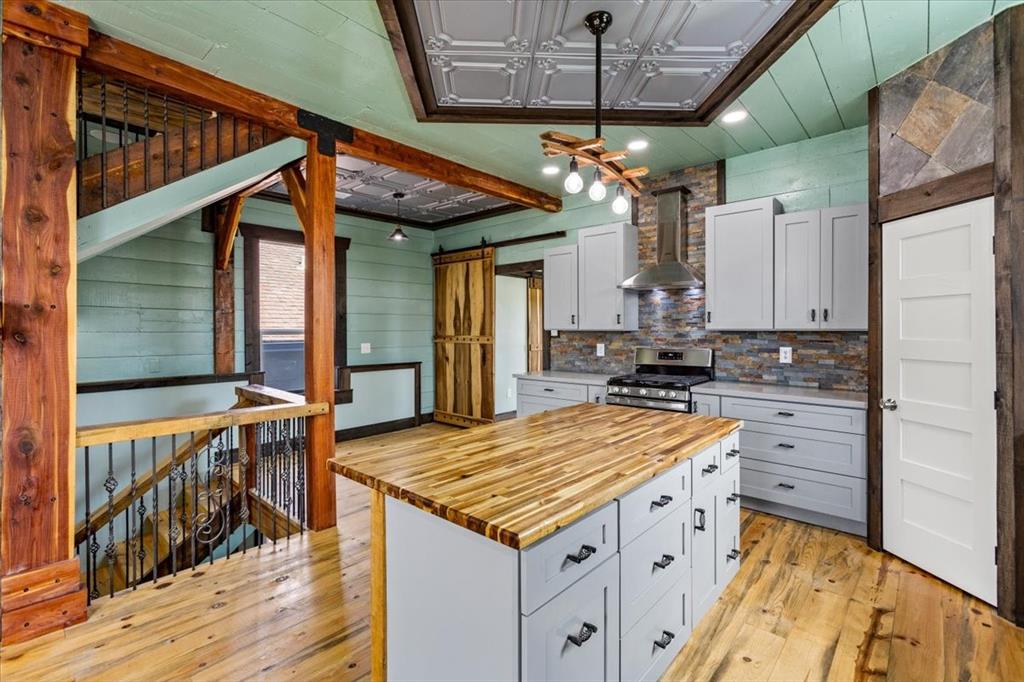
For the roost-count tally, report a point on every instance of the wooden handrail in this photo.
(165, 426)
(258, 394)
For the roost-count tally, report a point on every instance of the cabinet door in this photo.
(602, 267)
(740, 264)
(575, 636)
(797, 270)
(702, 550)
(844, 267)
(706, 405)
(560, 288)
(727, 527)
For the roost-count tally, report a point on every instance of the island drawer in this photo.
(575, 636)
(550, 566)
(730, 452)
(795, 414)
(649, 646)
(552, 389)
(818, 491)
(831, 451)
(652, 562)
(707, 466)
(644, 506)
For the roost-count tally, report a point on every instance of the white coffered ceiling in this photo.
(657, 54)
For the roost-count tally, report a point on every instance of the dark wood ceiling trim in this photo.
(404, 32)
(526, 268)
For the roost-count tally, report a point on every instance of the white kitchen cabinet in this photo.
(844, 267)
(740, 264)
(560, 288)
(607, 256)
(797, 270)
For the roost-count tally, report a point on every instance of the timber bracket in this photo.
(327, 130)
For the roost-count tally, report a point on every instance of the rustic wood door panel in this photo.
(464, 337)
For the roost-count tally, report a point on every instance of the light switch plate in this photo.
(364, 348)
(785, 355)
(600, 350)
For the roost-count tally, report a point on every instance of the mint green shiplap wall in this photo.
(831, 170)
(145, 308)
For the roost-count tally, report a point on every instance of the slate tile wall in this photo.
(833, 360)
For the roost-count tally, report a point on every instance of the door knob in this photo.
(887, 404)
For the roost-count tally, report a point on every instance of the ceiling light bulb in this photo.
(397, 235)
(621, 203)
(637, 145)
(597, 189)
(573, 181)
(550, 170)
(734, 116)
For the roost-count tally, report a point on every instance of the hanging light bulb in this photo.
(397, 235)
(597, 189)
(573, 181)
(621, 204)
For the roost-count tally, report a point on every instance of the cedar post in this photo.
(40, 584)
(319, 350)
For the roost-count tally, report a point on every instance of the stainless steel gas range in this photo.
(662, 378)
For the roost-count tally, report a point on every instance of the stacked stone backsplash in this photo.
(834, 360)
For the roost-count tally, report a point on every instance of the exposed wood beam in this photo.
(224, 286)
(296, 184)
(227, 230)
(46, 24)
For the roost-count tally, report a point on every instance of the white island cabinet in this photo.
(529, 587)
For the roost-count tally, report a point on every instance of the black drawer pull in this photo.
(732, 498)
(733, 555)
(666, 639)
(709, 469)
(733, 453)
(703, 519)
(788, 446)
(550, 390)
(661, 501)
(666, 559)
(783, 413)
(585, 632)
(586, 551)
(787, 486)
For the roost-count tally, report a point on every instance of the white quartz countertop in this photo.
(793, 394)
(567, 377)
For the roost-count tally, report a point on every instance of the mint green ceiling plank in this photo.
(898, 30)
(170, 39)
(948, 20)
(840, 42)
(806, 153)
(747, 133)
(715, 140)
(312, 16)
(765, 103)
(363, 12)
(803, 85)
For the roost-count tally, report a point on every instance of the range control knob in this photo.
(643, 391)
(613, 389)
(624, 389)
(662, 394)
(671, 394)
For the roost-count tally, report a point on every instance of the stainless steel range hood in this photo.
(671, 272)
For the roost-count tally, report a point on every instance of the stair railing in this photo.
(168, 494)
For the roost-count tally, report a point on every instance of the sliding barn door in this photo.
(464, 337)
(535, 324)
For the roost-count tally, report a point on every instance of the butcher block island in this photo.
(578, 544)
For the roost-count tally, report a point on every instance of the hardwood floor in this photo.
(808, 604)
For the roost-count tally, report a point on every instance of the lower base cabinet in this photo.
(651, 644)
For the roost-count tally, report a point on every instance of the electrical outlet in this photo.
(600, 350)
(508, 392)
(554, 332)
(364, 348)
(785, 355)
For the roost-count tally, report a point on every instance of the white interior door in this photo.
(938, 371)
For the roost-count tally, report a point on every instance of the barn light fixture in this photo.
(397, 235)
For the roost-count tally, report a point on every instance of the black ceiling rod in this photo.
(597, 23)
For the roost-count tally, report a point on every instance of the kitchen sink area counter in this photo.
(580, 543)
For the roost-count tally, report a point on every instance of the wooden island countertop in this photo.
(521, 480)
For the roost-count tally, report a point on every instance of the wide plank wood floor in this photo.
(807, 604)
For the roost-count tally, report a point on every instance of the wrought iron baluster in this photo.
(89, 575)
(194, 475)
(129, 549)
(234, 136)
(301, 484)
(155, 514)
(171, 535)
(103, 141)
(226, 488)
(217, 131)
(243, 476)
(202, 139)
(110, 485)
(261, 435)
(140, 552)
(124, 141)
(275, 437)
(145, 140)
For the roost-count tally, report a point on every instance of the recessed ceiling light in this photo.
(734, 116)
(637, 145)
(550, 170)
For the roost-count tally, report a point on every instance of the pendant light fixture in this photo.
(608, 166)
(397, 235)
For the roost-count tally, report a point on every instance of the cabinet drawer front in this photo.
(665, 623)
(546, 567)
(528, 404)
(552, 389)
(730, 452)
(589, 606)
(818, 491)
(795, 414)
(652, 562)
(829, 451)
(727, 527)
(642, 507)
(706, 467)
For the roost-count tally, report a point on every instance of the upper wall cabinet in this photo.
(581, 281)
(738, 244)
(821, 265)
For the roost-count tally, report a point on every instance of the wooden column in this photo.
(40, 587)
(225, 231)
(319, 351)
